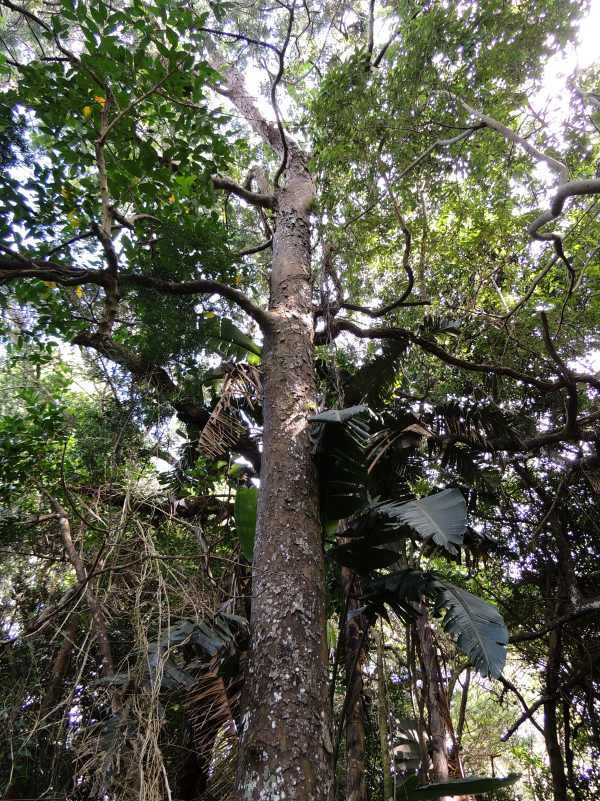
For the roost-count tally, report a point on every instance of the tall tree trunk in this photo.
(562, 585)
(286, 748)
(436, 702)
(356, 787)
(555, 757)
(383, 715)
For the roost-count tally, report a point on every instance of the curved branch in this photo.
(256, 249)
(589, 186)
(13, 266)
(527, 636)
(275, 104)
(202, 286)
(432, 347)
(566, 188)
(265, 201)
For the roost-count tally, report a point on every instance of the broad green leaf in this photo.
(363, 559)
(409, 789)
(339, 415)
(441, 517)
(246, 500)
(477, 626)
(342, 437)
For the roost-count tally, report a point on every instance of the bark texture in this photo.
(383, 715)
(436, 701)
(555, 757)
(356, 788)
(286, 745)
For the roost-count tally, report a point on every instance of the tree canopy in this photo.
(299, 422)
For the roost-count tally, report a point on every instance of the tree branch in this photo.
(265, 201)
(565, 190)
(429, 346)
(13, 266)
(275, 104)
(528, 710)
(527, 636)
(370, 30)
(201, 287)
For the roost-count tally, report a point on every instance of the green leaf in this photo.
(339, 415)
(477, 625)
(226, 339)
(342, 436)
(401, 590)
(363, 559)
(441, 517)
(246, 500)
(409, 790)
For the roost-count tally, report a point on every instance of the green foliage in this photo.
(410, 790)
(246, 500)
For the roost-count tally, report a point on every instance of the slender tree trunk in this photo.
(462, 713)
(435, 699)
(564, 586)
(417, 700)
(60, 666)
(555, 757)
(356, 787)
(569, 755)
(94, 605)
(383, 715)
(286, 748)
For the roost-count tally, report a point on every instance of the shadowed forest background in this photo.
(299, 401)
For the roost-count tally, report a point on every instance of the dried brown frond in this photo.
(224, 429)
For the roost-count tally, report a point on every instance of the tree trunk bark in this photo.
(286, 747)
(564, 585)
(356, 787)
(383, 715)
(60, 666)
(555, 757)
(435, 699)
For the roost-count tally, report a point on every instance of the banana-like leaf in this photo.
(224, 337)
(441, 517)
(406, 751)
(244, 511)
(401, 591)
(477, 626)
(363, 559)
(342, 437)
(409, 789)
(339, 415)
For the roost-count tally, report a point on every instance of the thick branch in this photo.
(14, 266)
(265, 201)
(189, 410)
(202, 286)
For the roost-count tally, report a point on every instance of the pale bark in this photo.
(94, 605)
(286, 747)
